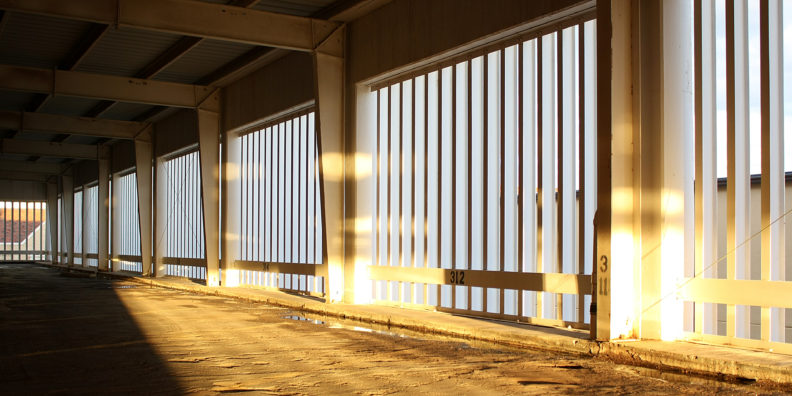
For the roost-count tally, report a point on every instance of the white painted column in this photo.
(329, 93)
(68, 218)
(209, 151)
(615, 288)
(677, 161)
(143, 154)
(115, 233)
(160, 217)
(52, 221)
(103, 207)
(84, 229)
(365, 176)
(232, 181)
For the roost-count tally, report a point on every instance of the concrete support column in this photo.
(103, 207)
(84, 228)
(67, 183)
(230, 198)
(614, 265)
(160, 217)
(329, 80)
(648, 173)
(115, 232)
(143, 154)
(677, 204)
(52, 220)
(209, 151)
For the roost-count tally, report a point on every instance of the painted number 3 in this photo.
(603, 279)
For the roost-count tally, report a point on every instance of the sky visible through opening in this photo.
(754, 87)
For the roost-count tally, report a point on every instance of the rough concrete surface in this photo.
(76, 335)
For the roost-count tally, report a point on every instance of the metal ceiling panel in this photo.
(293, 7)
(125, 111)
(35, 135)
(66, 105)
(206, 57)
(38, 41)
(15, 101)
(51, 160)
(77, 139)
(125, 51)
(13, 157)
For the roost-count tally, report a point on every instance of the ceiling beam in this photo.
(101, 86)
(75, 56)
(49, 149)
(22, 121)
(100, 108)
(84, 46)
(172, 54)
(190, 18)
(259, 57)
(33, 167)
(25, 176)
(241, 66)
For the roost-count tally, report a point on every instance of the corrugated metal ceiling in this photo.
(125, 111)
(65, 105)
(15, 101)
(293, 7)
(204, 58)
(35, 135)
(46, 42)
(38, 41)
(125, 51)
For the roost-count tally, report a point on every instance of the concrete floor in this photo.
(76, 335)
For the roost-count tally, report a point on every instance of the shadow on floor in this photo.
(66, 335)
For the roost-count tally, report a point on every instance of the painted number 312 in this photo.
(457, 278)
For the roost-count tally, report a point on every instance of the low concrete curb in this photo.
(709, 360)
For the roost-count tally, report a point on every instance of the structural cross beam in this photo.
(8, 166)
(190, 18)
(85, 126)
(100, 86)
(49, 149)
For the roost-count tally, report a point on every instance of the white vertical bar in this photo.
(777, 166)
(678, 123)
(548, 167)
(509, 161)
(742, 159)
(709, 158)
(568, 135)
(432, 164)
(492, 188)
(529, 168)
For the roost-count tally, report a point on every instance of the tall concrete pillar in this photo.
(115, 232)
(208, 115)
(68, 218)
(85, 227)
(614, 275)
(160, 217)
(143, 155)
(52, 221)
(230, 220)
(103, 207)
(329, 93)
